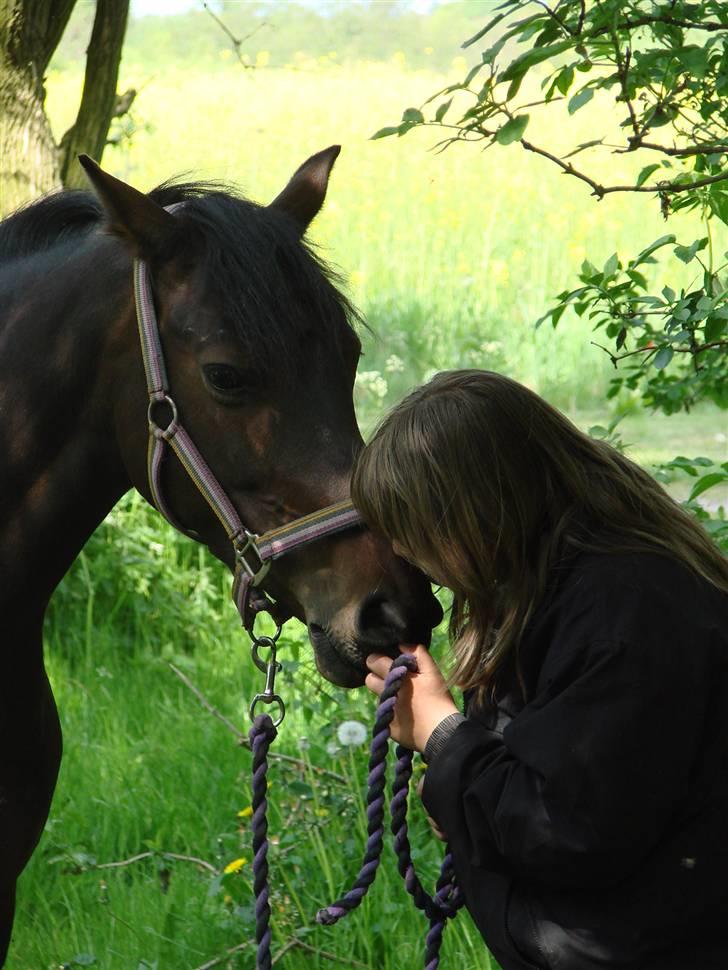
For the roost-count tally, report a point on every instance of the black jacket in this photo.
(589, 823)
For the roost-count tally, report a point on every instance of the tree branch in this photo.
(615, 358)
(243, 740)
(237, 42)
(202, 863)
(295, 942)
(661, 188)
(91, 128)
(646, 21)
(681, 152)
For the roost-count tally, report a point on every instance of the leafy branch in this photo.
(659, 68)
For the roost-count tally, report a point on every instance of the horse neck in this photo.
(63, 311)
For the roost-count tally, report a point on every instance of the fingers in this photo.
(379, 664)
(374, 683)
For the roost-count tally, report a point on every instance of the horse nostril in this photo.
(381, 621)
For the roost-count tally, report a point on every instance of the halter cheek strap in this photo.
(254, 554)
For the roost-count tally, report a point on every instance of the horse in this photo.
(261, 351)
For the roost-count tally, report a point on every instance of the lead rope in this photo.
(447, 898)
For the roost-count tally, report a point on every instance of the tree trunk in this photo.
(30, 162)
(91, 129)
(29, 33)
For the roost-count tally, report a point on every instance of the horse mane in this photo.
(267, 281)
(53, 219)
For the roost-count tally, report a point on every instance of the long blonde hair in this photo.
(480, 481)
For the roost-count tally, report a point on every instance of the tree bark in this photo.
(91, 129)
(30, 162)
(29, 33)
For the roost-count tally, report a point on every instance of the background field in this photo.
(451, 257)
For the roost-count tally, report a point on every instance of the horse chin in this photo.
(338, 663)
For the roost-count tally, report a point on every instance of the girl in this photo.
(584, 793)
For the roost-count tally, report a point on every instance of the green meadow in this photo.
(451, 258)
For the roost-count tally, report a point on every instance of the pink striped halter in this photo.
(254, 554)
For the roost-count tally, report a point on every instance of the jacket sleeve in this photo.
(584, 780)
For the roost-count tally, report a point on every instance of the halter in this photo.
(254, 553)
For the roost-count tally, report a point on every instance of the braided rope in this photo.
(261, 734)
(447, 899)
(438, 908)
(375, 795)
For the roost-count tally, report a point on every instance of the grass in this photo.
(452, 258)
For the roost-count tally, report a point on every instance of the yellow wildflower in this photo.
(245, 812)
(236, 865)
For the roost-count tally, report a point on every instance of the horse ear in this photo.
(304, 195)
(132, 215)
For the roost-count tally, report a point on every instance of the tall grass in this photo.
(451, 257)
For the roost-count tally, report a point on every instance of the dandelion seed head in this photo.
(351, 733)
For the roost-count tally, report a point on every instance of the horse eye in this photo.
(223, 377)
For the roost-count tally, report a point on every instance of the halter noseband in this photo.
(254, 554)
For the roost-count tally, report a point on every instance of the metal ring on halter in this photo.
(274, 636)
(244, 545)
(171, 428)
(269, 699)
(267, 643)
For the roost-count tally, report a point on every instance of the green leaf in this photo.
(718, 201)
(522, 64)
(657, 244)
(646, 172)
(512, 130)
(611, 265)
(662, 358)
(472, 72)
(579, 100)
(706, 482)
(714, 327)
(385, 132)
(687, 253)
(413, 116)
(565, 79)
(442, 110)
(484, 30)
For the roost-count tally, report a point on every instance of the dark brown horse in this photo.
(261, 355)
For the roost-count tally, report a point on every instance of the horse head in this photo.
(261, 357)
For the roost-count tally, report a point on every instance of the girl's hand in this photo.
(423, 700)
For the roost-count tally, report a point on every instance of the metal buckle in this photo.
(269, 699)
(270, 668)
(242, 544)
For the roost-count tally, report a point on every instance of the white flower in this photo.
(351, 733)
(394, 364)
(332, 749)
(373, 382)
(491, 346)
(304, 744)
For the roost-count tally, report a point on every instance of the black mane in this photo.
(263, 277)
(41, 225)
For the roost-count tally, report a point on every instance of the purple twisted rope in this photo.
(261, 734)
(447, 899)
(438, 904)
(375, 795)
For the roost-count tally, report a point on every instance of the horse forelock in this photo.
(266, 282)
